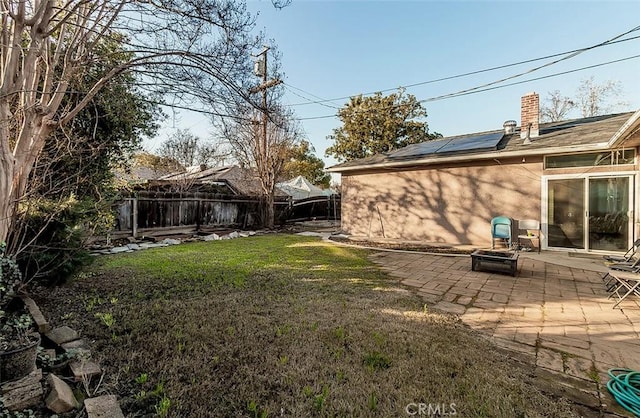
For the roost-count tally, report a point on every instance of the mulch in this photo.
(401, 246)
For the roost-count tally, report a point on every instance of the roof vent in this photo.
(509, 127)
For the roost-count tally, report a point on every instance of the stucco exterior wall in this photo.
(451, 204)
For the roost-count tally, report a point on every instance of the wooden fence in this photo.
(145, 214)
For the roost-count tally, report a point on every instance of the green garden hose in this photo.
(624, 385)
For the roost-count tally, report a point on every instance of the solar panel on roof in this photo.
(417, 150)
(472, 143)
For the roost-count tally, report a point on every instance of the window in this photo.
(591, 159)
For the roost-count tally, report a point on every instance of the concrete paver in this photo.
(556, 305)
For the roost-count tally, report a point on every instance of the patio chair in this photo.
(627, 256)
(631, 266)
(501, 229)
(531, 229)
(627, 282)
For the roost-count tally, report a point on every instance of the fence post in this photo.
(134, 217)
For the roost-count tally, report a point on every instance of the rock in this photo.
(75, 344)
(60, 399)
(36, 314)
(243, 235)
(212, 237)
(34, 376)
(171, 241)
(85, 369)
(62, 335)
(133, 246)
(233, 235)
(116, 250)
(145, 245)
(22, 393)
(251, 233)
(132, 240)
(78, 347)
(106, 406)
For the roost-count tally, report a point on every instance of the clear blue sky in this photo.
(343, 48)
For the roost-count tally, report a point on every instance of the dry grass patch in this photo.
(282, 326)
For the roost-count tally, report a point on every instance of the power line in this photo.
(480, 89)
(321, 102)
(572, 53)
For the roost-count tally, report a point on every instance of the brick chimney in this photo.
(530, 115)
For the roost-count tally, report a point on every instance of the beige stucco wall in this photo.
(441, 204)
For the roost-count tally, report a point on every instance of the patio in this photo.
(555, 310)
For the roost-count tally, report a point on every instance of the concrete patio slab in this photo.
(556, 309)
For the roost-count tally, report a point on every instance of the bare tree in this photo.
(190, 150)
(246, 140)
(599, 99)
(557, 107)
(192, 51)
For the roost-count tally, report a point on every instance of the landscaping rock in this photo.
(60, 399)
(133, 246)
(171, 241)
(132, 240)
(85, 369)
(79, 347)
(116, 250)
(243, 235)
(106, 406)
(36, 314)
(233, 235)
(251, 233)
(145, 245)
(22, 393)
(212, 237)
(62, 335)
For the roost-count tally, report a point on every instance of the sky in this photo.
(337, 49)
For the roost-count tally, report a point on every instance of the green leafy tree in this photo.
(71, 189)
(157, 163)
(375, 124)
(191, 52)
(303, 162)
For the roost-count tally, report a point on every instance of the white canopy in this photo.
(301, 188)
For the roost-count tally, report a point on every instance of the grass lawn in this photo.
(281, 325)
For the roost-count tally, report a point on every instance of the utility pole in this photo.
(261, 71)
(266, 172)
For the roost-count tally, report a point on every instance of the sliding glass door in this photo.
(592, 213)
(566, 213)
(609, 213)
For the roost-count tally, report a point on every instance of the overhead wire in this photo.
(481, 89)
(321, 103)
(612, 41)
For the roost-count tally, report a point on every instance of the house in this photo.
(579, 178)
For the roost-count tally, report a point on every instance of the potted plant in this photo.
(18, 341)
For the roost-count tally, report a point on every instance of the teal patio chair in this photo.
(501, 229)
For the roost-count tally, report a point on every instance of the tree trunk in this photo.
(7, 204)
(269, 212)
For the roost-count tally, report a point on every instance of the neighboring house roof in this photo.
(301, 188)
(242, 181)
(586, 134)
